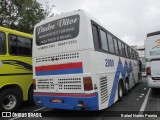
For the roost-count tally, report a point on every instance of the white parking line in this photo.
(38, 109)
(144, 102)
(28, 112)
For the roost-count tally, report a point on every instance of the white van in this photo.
(152, 47)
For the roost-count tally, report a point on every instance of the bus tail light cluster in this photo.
(148, 71)
(87, 83)
(34, 84)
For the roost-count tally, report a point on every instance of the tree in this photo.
(21, 15)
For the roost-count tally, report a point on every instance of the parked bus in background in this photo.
(152, 47)
(15, 69)
(79, 65)
(141, 51)
(143, 66)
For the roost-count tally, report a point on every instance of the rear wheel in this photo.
(10, 100)
(127, 87)
(120, 91)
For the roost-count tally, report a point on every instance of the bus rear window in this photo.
(58, 30)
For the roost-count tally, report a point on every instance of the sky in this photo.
(129, 20)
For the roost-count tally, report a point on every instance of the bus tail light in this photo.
(34, 84)
(87, 83)
(148, 71)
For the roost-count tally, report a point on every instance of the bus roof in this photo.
(89, 16)
(153, 33)
(3, 29)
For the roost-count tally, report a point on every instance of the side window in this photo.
(116, 46)
(132, 54)
(110, 43)
(129, 54)
(2, 43)
(123, 50)
(126, 49)
(137, 55)
(20, 45)
(13, 45)
(95, 37)
(24, 46)
(120, 47)
(104, 40)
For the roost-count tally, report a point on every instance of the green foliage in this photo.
(21, 15)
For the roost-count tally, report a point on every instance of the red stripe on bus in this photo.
(64, 94)
(59, 66)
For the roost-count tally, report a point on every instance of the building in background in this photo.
(141, 51)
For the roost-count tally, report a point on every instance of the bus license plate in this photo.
(56, 100)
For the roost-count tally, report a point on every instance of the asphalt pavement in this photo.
(140, 102)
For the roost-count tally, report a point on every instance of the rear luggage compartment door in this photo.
(155, 69)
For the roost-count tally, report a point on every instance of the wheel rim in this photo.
(120, 91)
(127, 87)
(9, 102)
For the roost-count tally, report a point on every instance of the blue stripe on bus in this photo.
(59, 72)
(114, 87)
(122, 71)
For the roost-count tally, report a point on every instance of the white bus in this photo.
(152, 47)
(79, 65)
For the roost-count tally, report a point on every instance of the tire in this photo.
(120, 91)
(10, 100)
(30, 96)
(127, 87)
(154, 89)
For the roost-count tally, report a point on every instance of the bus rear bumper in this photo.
(88, 102)
(153, 83)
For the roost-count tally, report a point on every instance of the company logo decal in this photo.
(156, 50)
(157, 44)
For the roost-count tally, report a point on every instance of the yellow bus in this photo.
(15, 69)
